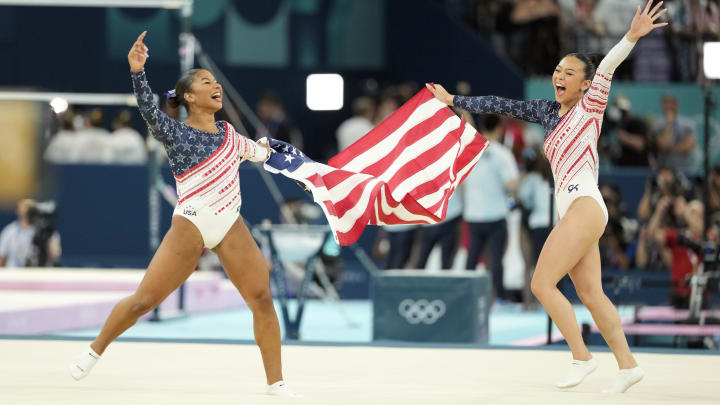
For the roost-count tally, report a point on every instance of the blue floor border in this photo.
(385, 344)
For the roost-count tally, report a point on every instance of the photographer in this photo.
(31, 240)
(633, 148)
(618, 232)
(676, 238)
(675, 136)
(667, 183)
(715, 191)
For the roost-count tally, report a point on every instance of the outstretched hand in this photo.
(440, 93)
(138, 54)
(644, 21)
(265, 144)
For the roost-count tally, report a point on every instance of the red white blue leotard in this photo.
(205, 165)
(571, 140)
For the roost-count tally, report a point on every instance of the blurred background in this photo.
(86, 195)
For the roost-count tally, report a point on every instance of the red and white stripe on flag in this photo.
(402, 172)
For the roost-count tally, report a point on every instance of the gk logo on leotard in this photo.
(573, 187)
(189, 213)
(427, 312)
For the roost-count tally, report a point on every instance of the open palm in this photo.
(644, 21)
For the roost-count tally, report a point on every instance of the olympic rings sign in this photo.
(422, 310)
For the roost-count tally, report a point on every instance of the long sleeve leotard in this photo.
(204, 164)
(570, 140)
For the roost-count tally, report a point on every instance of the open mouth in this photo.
(217, 96)
(559, 90)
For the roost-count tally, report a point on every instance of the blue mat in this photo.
(349, 321)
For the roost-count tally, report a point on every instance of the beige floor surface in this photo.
(36, 372)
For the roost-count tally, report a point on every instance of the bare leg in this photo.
(588, 283)
(573, 236)
(249, 272)
(172, 264)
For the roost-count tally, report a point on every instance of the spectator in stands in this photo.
(64, 146)
(360, 124)
(612, 18)
(406, 91)
(684, 260)
(645, 254)
(715, 190)
(654, 60)
(94, 140)
(446, 234)
(485, 203)
(272, 113)
(513, 136)
(614, 241)
(400, 240)
(632, 136)
(535, 43)
(680, 12)
(578, 26)
(18, 242)
(484, 19)
(535, 194)
(504, 38)
(667, 183)
(388, 104)
(126, 144)
(674, 136)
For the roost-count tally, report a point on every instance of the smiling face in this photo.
(205, 92)
(569, 80)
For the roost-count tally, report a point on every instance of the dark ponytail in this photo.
(176, 97)
(591, 61)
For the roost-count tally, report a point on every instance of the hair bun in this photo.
(595, 58)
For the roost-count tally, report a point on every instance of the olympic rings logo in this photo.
(422, 310)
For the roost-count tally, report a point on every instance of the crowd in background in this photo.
(514, 175)
(535, 34)
(31, 240)
(82, 138)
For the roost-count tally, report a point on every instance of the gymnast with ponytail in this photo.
(204, 157)
(572, 126)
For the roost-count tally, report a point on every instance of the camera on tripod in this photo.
(705, 280)
(42, 216)
(707, 250)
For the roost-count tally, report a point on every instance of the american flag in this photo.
(402, 172)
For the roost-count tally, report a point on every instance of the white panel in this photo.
(324, 92)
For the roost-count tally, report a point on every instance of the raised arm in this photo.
(162, 127)
(530, 111)
(614, 58)
(643, 22)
